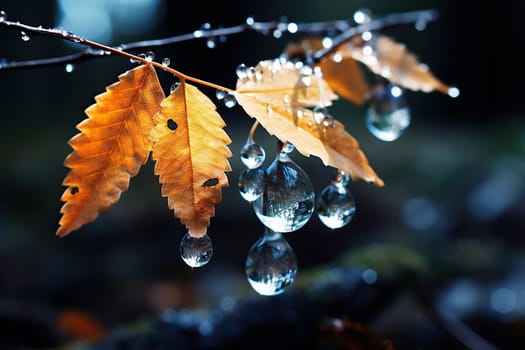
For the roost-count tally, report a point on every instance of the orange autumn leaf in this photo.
(391, 60)
(190, 151)
(343, 74)
(111, 147)
(278, 96)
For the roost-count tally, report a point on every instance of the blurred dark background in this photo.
(444, 237)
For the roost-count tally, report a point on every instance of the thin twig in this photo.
(319, 28)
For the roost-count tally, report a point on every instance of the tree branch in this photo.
(346, 28)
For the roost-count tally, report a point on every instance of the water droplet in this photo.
(242, 71)
(453, 92)
(3, 16)
(250, 21)
(362, 16)
(174, 86)
(288, 200)
(271, 265)
(292, 27)
(196, 251)
(166, 62)
(69, 68)
(149, 56)
(421, 24)
(336, 205)
(388, 115)
(252, 154)
(132, 60)
(277, 34)
(220, 94)
(211, 43)
(229, 100)
(287, 148)
(251, 183)
(25, 36)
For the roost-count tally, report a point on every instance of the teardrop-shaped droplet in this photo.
(271, 265)
(196, 251)
(219, 94)
(288, 200)
(251, 183)
(3, 16)
(252, 154)
(388, 115)
(336, 205)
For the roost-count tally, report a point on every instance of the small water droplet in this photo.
(25, 36)
(166, 62)
(211, 43)
(362, 16)
(69, 68)
(388, 115)
(288, 200)
(174, 86)
(132, 60)
(292, 27)
(196, 251)
(242, 71)
(336, 205)
(252, 154)
(250, 21)
(421, 24)
(3, 16)
(251, 183)
(277, 34)
(149, 56)
(271, 264)
(453, 92)
(219, 94)
(229, 100)
(287, 148)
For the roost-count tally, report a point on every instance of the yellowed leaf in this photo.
(391, 60)
(278, 99)
(112, 145)
(190, 151)
(343, 74)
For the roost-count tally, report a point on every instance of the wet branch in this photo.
(343, 30)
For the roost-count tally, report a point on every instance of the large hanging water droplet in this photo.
(336, 205)
(288, 200)
(3, 16)
(196, 251)
(388, 115)
(252, 154)
(271, 265)
(251, 183)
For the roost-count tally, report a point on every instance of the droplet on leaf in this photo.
(336, 205)
(196, 251)
(388, 115)
(251, 183)
(271, 264)
(219, 94)
(166, 62)
(242, 71)
(288, 200)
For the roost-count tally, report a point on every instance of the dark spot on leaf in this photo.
(172, 125)
(211, 182)
(74, 190)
